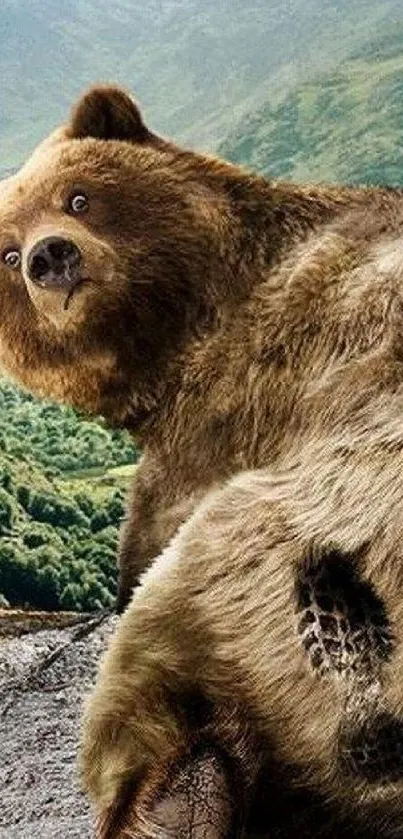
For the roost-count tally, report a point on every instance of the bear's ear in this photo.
(107, 113)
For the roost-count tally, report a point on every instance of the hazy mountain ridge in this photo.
(201, 72)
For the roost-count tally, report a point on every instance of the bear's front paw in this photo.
(124, 733)
(108, 756)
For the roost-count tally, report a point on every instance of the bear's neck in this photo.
(255, 221)
(254, 225)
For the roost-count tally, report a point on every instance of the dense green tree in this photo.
(35, 534)
(16, 577)
(70, 599)
(47, 593)
(56, 511)
(6, 512)
(95, 595)
(85, 503)
(99, 520)
(114, 508)
(24, 495)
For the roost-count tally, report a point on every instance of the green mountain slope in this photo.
(344, 126)
(199, 69)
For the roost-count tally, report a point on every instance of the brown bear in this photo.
(251, 334)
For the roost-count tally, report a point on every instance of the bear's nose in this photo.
(54, 262)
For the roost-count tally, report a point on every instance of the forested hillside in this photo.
(62, 484)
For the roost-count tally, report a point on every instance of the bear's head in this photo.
(110, 249)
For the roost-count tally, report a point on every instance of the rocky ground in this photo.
(44, 673)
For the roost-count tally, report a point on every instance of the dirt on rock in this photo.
(44, 674)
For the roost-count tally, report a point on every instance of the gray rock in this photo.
(43, 678)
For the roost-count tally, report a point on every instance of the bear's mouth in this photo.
(73, 288)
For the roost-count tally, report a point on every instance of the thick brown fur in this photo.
(251, 334)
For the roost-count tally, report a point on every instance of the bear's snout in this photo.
(54, 263)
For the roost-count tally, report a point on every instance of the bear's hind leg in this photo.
(214, 618)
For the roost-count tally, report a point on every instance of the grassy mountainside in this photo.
(345, 126)
(198, 69)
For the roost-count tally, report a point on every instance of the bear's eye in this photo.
(12, 258)
(78, 203)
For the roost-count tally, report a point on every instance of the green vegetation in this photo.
(62, 487)
(57, 438)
